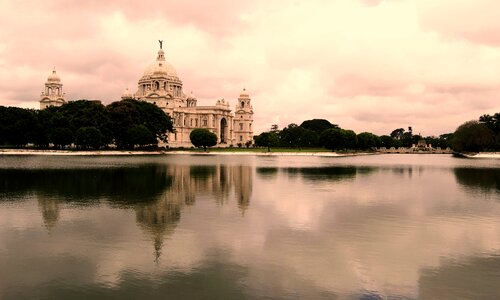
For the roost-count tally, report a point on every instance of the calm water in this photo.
(248, 227)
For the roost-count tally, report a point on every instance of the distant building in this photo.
(420, 147)
(53, 94)
(161, 86)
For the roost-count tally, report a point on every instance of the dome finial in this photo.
(161, 53)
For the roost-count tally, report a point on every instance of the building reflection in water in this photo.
(49, 207)
(160, 218)
(156, 193)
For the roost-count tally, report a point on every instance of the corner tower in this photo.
(53, 94)
(243, 119)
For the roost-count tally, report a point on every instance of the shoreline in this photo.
(177, 152)
(477, 155)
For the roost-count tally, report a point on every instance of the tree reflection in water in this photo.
(481, 180)
(332, 173)
(125, 185)
(156, 192)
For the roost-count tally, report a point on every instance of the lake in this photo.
(249, 227)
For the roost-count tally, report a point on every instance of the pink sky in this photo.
(367, 65)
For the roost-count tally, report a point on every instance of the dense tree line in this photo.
(322, 133)
(128, 124)
(86, 124)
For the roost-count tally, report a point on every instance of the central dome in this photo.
(160, 67)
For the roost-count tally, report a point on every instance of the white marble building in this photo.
(161, 86)
(53, 94)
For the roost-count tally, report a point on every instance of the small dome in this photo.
(54, 77)
(244, 94)
(127, 94)
(191, 95)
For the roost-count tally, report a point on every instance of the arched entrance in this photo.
(223, 130)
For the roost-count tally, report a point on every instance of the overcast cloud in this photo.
(367, 65)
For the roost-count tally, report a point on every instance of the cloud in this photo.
(473, 21)
(366, 65)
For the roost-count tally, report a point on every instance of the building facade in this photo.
(161, 86)
(53, 94)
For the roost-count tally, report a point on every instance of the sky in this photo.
(366, 65)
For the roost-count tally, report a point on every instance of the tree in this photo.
(274, 128)
(472, 136)
(332, 139)
(297, 137)
(128, 113)
(309, 138)
(201, 137)
(88, 137)
(45, 121)
(139, 135)
(492, 122)
(398, 134)
(267, 139)
(386, 141)
(442, 141)
(367, 140)
(317, 125)
(61, 137)
(84, 113)
(17, 126)
(336, 138)
(350, 139)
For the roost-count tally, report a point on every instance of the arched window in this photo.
(242, 104)
(157, 85)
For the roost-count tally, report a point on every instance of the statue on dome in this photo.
(161, 43)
